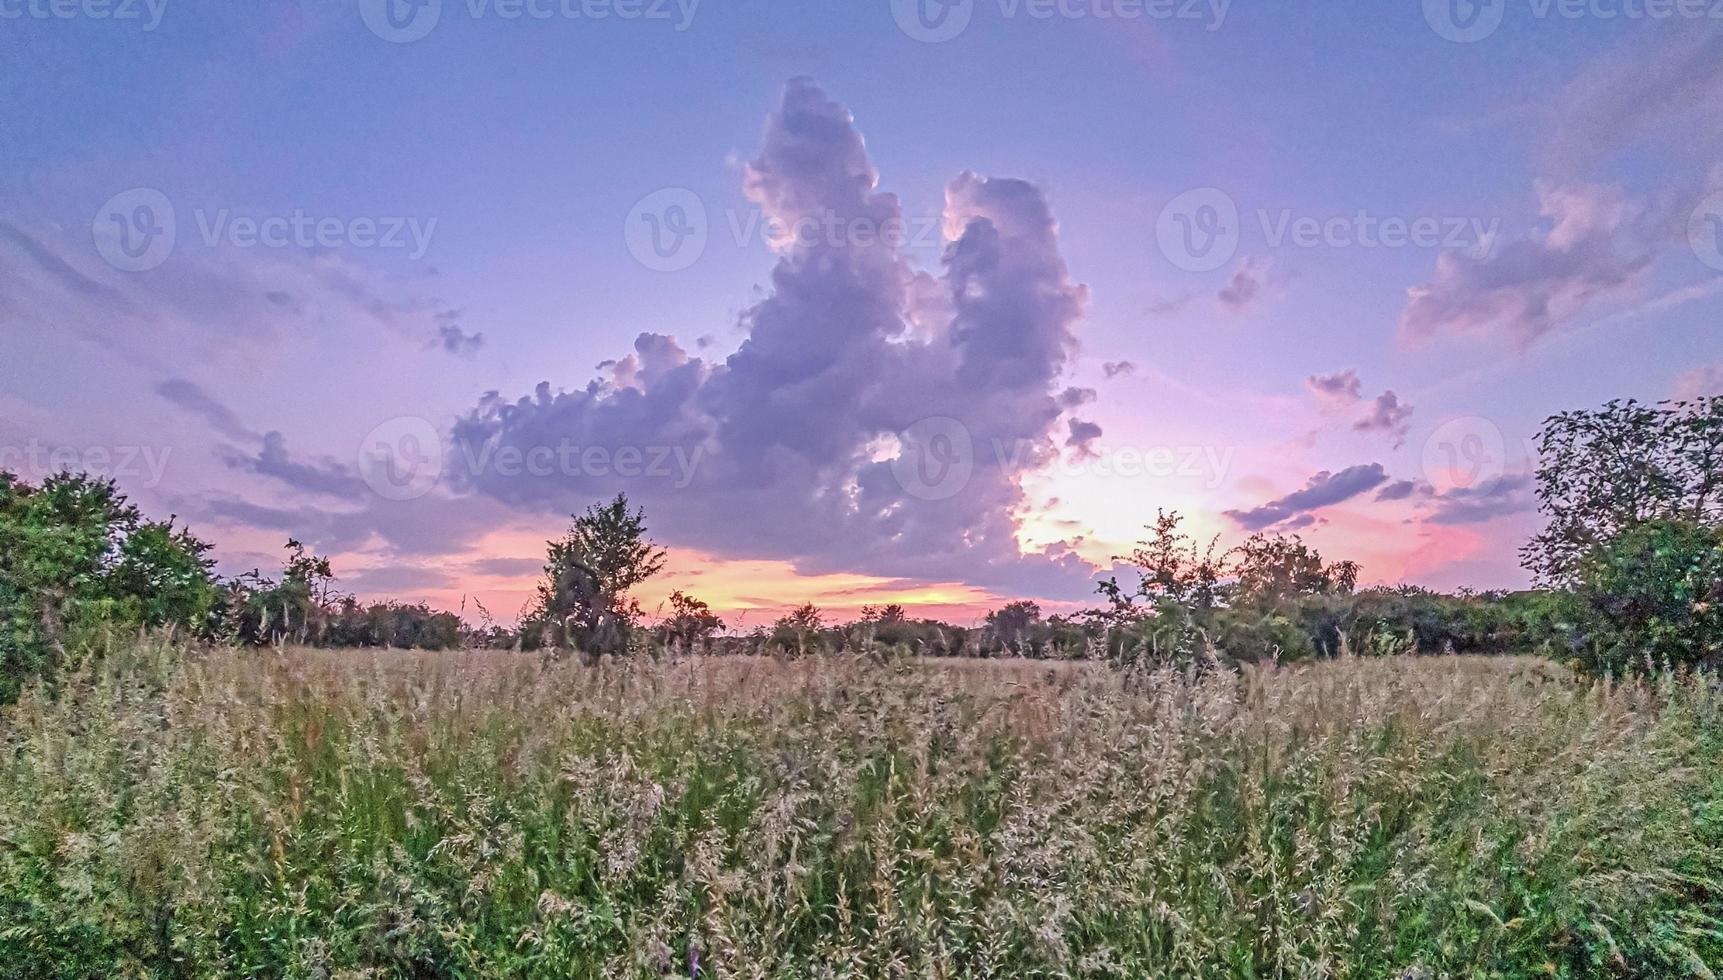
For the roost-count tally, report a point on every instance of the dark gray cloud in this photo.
(1476, 505)
(430, 526)
(1325, 489)
(325, 476)
(796, 431)
(451, 338)
(1339, 388)
(1072, 398)
(1388, 415)
(202, 404)
(1082, 438)
(1116, 369)
(1400, 490)
(1245, 286)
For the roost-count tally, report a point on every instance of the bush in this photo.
(1653, 595)
(76, 557)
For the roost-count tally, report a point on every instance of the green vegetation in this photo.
(1224, 786)
(310, 814)
(76, 558)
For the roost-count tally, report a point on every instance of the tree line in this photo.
(1629, 572)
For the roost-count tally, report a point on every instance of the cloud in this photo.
(1597, 245)
(1082, 438)
(1118, 369)
(1072, 398)
(1701, 382)
(1476, 505)
(451, 338)
(1244, 287)
(205, 298)
(1325, 489)
(507, 567)
(1665, 83)
(796, 432)
(394, 579)
(1400, 490)
(1337, 389)
(1242, 291)
(198, 402)
(1389, 415)
(61, 271)
(432, 526)
(324, 476)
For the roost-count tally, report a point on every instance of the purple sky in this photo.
(413, 281)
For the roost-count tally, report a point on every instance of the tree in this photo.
(1011, 626)
(1652, 595)
(75, 555)
(299, 607)
(584, 601)
(1279, 568)
(799, 631)
(1171, 569)
(691, 621)
(1606, 471)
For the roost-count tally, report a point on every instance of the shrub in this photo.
(1653, 595)
(75, 557)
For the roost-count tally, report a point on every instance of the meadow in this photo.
(183, 811)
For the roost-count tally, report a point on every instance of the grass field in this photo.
(314, 814)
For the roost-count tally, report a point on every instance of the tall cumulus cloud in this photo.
(794, 436)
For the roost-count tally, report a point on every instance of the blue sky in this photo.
(1587, 144)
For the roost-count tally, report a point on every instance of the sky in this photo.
(934, 302)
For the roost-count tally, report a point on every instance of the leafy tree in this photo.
(299, 607)
(1172, 568)
(1606, 471)
(691, 621)
(1252, 601)
(892, 613)
(584, 601)
(1012, 626)
(1279, 568)
(799, 631)
(75, 555)
(1652, 595)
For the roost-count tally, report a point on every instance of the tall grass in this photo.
(307, 814)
